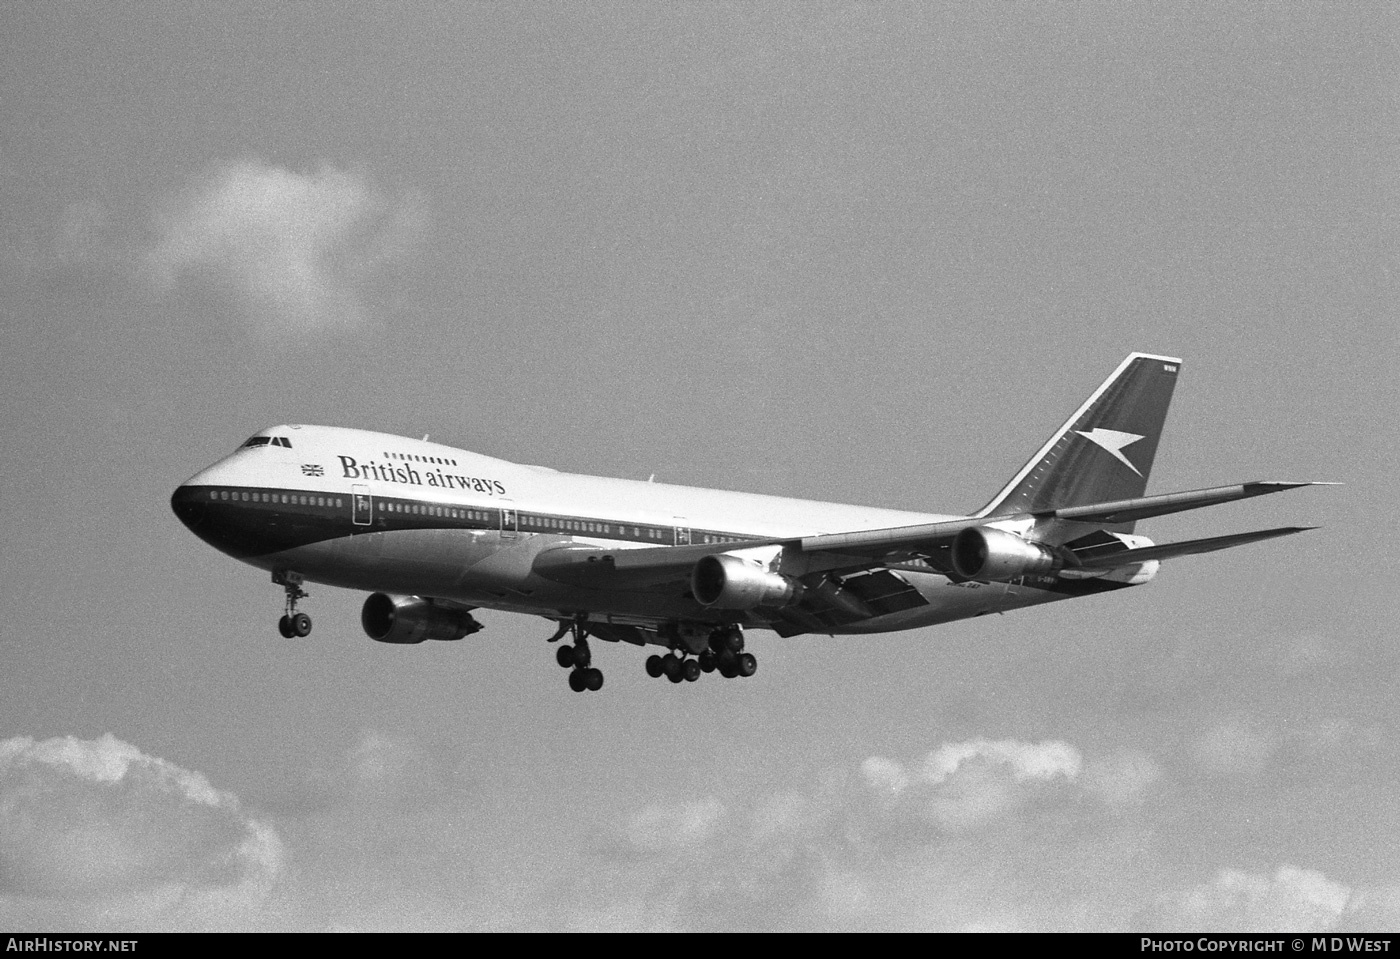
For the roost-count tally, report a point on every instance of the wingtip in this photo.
(1294, 484)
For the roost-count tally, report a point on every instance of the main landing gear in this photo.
(725, 655)
(292, 623)
(583, 677)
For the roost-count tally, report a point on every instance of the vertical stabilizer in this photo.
(1104, 451)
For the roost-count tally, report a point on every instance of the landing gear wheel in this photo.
(691, 670)
(707, 661)
(292, 623)
(728, 665)
(592, 679)
(671, 666)
(583, 656)
(730, 639)
(746, 665)
(655, 667)
(576, 682)
(564, 656)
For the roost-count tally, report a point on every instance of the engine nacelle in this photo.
(981, 552)
(730, 582)
(411, 619)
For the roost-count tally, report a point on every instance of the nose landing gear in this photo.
(292, 623)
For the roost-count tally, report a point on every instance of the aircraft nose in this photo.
(188, 507)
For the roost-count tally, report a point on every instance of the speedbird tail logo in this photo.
(1113, 441)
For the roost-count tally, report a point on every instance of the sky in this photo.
(867, 253)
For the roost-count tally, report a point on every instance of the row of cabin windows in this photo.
(440, 460)
(444, 511)
(546, 522)
(292, 499)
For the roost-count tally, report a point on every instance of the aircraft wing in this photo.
(595, 567)
(933, 535)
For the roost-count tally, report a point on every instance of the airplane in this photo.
(434, 532)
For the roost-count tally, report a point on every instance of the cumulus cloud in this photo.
(967, 784)
(982, 833)
(298, 250)
(99, 821)
(90, 817)
(1236, 900)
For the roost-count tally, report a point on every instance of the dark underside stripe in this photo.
(253, 521)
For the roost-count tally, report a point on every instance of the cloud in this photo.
(1236, 900)
(298, 250)
(967, 784)
(82, 818)
(100, 824)
(981, 833)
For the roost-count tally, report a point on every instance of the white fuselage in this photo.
(372, 511)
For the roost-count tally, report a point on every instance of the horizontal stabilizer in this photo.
(1102, 559)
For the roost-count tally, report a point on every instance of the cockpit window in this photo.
(267, 441)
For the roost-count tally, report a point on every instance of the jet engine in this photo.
(981, 552)
(726, 581)
(412, 619)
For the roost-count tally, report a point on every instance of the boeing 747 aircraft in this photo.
(433, 532)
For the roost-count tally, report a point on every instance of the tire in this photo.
(728, 671)
(583, 656)
(564, 656)
(727, 641)
(707, 662)
(671, 666)
(593, 679)
(301, 625)
(576, 680)
(655, 668)
(284, 626)
(747, 665)
(691, 669)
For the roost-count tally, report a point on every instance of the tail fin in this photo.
(1104, 451)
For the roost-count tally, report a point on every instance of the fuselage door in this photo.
(509, 519)
(361, 505)
(682, 531)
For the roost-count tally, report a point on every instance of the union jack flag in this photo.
(312, 469)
